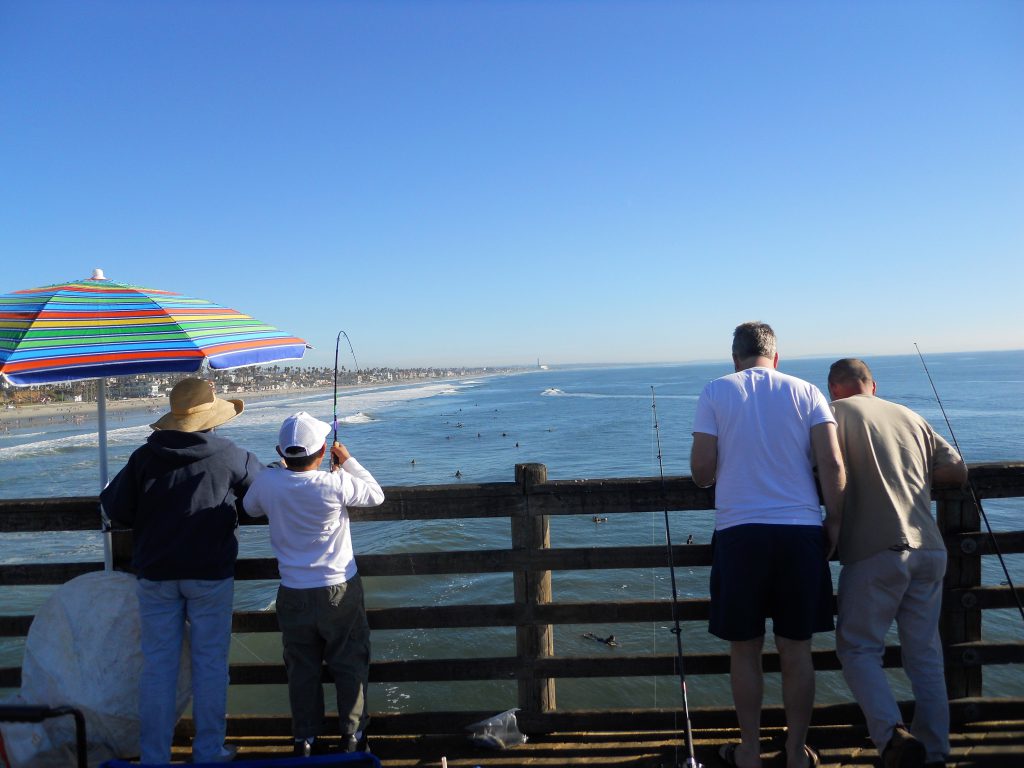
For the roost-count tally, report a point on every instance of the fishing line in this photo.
(691, 761)
(654, 575)
(970, 486)
(237, 639)
(337, 343)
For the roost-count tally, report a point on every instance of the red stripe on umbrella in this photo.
(71, 361)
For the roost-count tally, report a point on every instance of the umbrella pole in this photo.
(101, 406)
(101, 428)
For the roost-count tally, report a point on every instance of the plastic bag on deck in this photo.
(498, 732)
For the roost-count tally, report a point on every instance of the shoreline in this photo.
(40, 414)
(36, 413)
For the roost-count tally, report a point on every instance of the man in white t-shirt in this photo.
(757, 436)
(320, 601)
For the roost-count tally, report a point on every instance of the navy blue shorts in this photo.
(770, 571)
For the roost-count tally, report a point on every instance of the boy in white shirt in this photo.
(320, 600)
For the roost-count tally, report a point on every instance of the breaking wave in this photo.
(132, 436)
(556, 392)
(357, 418)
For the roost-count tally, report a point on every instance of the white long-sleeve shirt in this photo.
(309, 523)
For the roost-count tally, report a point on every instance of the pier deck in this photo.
(993, 744)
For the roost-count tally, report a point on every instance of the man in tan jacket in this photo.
(894, 561)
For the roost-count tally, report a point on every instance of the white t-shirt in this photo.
(309, 525)
(762, 419)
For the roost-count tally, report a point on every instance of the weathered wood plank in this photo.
(509, 615)
(437, 502)
(617, 495)
(606, 665)
(488, 500)
(601, 614)
(980, 543)
(985, 597)
(502, 561)
(531, 533)
(75, 513)
(613, 496)
(10, 677)
(561, 559)
(997, 480)
(26, 574)
(15, 626)
(455, 616)
(579, 721)
(981, 653)
(959, 624)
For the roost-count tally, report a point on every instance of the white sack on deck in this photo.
(83, 651)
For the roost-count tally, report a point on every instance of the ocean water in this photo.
(582, 423)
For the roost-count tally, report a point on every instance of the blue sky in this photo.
(482, 183)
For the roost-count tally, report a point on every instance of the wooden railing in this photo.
(530, 503)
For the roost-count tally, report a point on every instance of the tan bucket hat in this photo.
(195, 407)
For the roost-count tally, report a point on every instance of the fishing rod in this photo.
(970, 486)
(691, 761)
(337, 344)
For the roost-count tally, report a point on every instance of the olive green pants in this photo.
(325, 625)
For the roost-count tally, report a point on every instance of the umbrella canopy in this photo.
(95, 328)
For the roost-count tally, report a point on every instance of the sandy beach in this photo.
(49, 413)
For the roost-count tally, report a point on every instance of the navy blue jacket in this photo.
(178, 492)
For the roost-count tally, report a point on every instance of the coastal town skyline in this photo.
(247, 380)
(514, 184)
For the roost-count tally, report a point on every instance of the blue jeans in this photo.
(164, 606)
(905, 587)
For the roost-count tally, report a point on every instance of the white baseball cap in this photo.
(302, 435)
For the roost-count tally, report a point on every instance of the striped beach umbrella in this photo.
(96, 328)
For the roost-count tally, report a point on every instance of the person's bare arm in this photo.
(950, 474)
(831, 476)
(704, 459)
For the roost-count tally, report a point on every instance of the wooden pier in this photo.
(986, 731)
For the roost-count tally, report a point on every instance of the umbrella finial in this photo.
(97, 274)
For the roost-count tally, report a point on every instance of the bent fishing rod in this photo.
(337, 344)
(970, 486)
(691, 760)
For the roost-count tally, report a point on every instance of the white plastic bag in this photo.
(83, 651)
(498, 732)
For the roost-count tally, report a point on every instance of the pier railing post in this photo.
(960, 621)
(530, 533)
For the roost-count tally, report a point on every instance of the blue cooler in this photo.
(343, 760)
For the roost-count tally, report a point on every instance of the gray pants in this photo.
(325, 625)
(905, 586)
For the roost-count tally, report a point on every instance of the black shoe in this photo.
(903, 750)
(309, 747)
